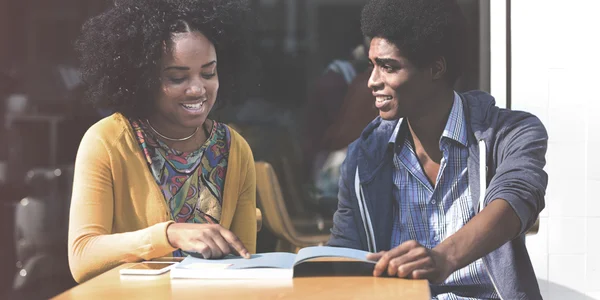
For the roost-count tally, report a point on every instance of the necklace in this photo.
(171, 139)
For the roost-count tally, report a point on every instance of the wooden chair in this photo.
(284, 157)
(305, 222)
(275, 215)
(258, 220)
(535, 228)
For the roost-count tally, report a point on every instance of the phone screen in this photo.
(151, 266)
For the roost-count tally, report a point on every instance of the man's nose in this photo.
(375, 82)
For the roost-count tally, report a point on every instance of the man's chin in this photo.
(390, 115)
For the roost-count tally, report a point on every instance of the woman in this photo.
(158, 177)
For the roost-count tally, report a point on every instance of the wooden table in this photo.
(112, 286)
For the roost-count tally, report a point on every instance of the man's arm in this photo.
(488, 230)
(520, 178)
(517, 191)
(345, 230)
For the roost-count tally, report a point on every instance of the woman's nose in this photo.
(196, 90)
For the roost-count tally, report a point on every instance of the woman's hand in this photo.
(210, 240)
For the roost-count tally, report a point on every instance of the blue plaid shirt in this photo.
(430, 214)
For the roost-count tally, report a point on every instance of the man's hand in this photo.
(210, 240)
(412, 260)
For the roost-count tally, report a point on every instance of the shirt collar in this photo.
(455, 126)
(395, 133)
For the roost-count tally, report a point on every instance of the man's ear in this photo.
(438, 68)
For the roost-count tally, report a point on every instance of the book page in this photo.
(278, 260)
(263, 260)
(325, 251)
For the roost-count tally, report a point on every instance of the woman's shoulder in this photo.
(109, 129)
(237, 140)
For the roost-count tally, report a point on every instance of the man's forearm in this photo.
(495, 225)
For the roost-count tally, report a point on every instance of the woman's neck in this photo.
(168, 129)
(176, 137)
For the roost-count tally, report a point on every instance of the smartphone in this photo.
(148, 268)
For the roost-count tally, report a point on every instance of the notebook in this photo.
(273, 265)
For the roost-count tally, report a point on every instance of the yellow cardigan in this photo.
(118, 213)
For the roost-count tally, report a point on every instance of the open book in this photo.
(261, 266)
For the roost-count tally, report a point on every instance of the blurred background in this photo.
(311, 102)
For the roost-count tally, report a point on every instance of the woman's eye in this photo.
(177, 80)
(209, 76)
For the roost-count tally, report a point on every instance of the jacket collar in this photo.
(374, 147)
(480, 114)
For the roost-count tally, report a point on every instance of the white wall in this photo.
(497, 50)
(556, 76)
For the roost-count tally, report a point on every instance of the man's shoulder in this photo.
(518, 122)
(511, 116)
(372, 143)
(371, 135)
(485, 116)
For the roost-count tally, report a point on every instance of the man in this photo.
(441, 186)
